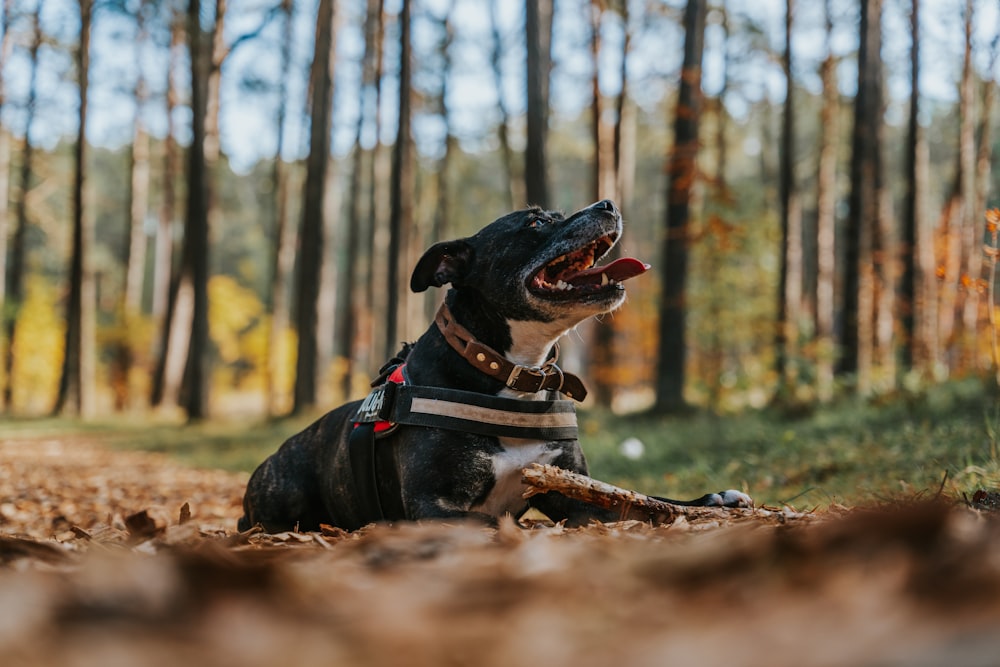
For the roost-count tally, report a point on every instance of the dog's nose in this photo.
(606, 205)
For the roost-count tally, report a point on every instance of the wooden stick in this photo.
(632, 505)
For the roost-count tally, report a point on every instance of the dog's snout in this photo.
(606, 205)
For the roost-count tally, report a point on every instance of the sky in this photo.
(247, 117)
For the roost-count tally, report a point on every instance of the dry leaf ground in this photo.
(97, 569)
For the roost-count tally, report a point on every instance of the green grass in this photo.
(849, 453)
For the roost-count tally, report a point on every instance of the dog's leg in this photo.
(729, 498)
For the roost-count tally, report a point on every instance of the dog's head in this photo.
(536, 265)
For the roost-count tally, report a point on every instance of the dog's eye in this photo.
(536, 222)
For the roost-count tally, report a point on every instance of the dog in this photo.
(517, 286)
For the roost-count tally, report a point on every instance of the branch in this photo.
(632, 505)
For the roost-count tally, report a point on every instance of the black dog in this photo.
(518, 285)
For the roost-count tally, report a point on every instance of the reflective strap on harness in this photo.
(483, 414)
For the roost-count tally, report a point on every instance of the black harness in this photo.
(396, 403)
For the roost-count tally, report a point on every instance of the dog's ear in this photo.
(445, 262)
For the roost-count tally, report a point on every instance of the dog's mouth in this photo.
(575, 274)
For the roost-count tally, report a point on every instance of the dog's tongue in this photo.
(618, 270)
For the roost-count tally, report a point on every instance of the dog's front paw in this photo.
(730, 498)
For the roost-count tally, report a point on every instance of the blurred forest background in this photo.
(213, 208)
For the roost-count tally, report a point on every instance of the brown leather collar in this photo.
(519, 378)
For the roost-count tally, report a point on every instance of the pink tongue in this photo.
(618, 270)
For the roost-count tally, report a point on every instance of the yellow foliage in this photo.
(233, 310)
(39, 345)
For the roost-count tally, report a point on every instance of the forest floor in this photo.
(111, 557)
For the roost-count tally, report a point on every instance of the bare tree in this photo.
(313, 214)
(681, 174)
(376, 292)
(76, 386)
(401, 185)
(538, 33)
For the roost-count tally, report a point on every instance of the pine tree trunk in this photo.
(15, 272)
(313, 213)
(194, 253)
(283, 235)
(6, 46)
(981, 180)
(826, 220)
(167, 377)
(681, 174)
(76, 387)
(865, 204)
(514, 186)
(376, 292)
(790, 275)
(911, 305)
(538, 33)
(401, 189)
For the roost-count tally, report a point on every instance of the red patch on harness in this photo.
(395, 377)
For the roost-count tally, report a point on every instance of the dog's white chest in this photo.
(506, 494)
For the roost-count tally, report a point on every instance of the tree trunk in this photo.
(981, 184)
(401, 188)
(376, 293)
(76, 387)
(865, 208)
(790, 275)
(134, 259)
(958, 218)
(194, 253)
(313, 214)
(681, 174)
(6, 47)
(283, 235)
(538, 33)
(347, 322)
(911, 305)
(167, 376)
(514, 187)
(826, 219)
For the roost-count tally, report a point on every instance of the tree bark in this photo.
(376, 292)
(283, 235)
(134, 259)
(6, 47)
(826, 219)
(401, 187)
(514, 186)
(348, 298)
(865, 210)
(76, 386)
(911, 304)
(681, 175)
(194, 253)
(538, 33)
(313, 214)
(169, 368)
(790, 274)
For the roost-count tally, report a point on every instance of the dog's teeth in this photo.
(604, 279)
(561, 285)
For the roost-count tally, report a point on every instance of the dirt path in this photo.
(99, 567)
